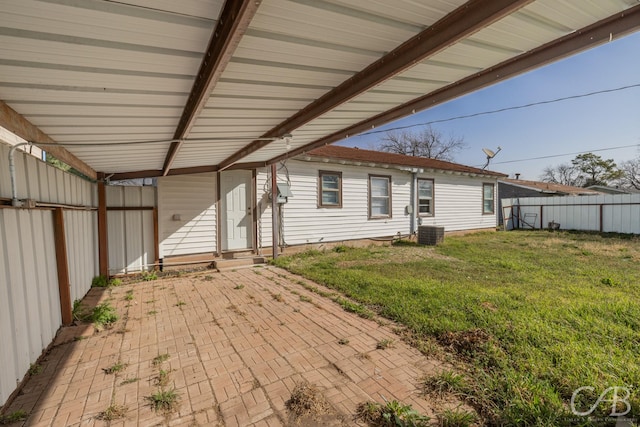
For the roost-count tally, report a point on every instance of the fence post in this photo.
(62, 264)
(601, 219)
(541, 226)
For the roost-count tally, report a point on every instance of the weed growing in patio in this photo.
(129, 295)
(163, 378)
(115, 368)
(130, 381)
(164, 400)
(148, 276)
(238, 287)
(277, 297)
(457, 418)
(160, 358)
(78, 312)
(35, 369)
(104, 315)
(100, 282)
(384, 344)
(305, 298)
(343, 341)
(207, 278)
(114, 282)
(152, 312)
(14, 417)
(353, 307)
(391, 414)
(113, 412)
(180, 303)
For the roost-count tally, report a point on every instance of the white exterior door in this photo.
(236, 220)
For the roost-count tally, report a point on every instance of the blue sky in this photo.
(590, 123)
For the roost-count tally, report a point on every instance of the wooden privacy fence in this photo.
(618, 213)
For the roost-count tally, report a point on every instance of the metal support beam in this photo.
(15, 122)
(459, 24)
(103, 244)
(231, 26)
(601, 32)
(62, 264)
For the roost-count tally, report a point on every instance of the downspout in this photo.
(12, 172)
(274, 214)
(412, 201)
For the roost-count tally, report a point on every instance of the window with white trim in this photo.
(379, 196)
(488, 192)
(330, 189)
(425, 197)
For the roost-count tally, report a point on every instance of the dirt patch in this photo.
(308, 407)
(465, 342)
(399, 255)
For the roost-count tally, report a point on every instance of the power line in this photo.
(500, 110)
(565, 154)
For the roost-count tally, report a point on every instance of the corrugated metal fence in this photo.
(618, 213)
(30, 308)
(132, 228)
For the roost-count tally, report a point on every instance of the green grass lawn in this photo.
(528, 317)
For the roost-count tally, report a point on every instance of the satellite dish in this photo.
(490, 155)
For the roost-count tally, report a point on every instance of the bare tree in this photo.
(427, 143)
(631, 174)
(565, 174)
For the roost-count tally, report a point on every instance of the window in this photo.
(487, 198)
(330, 185)
(425, 196)
(379, 196)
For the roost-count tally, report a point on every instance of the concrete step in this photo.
(237, 263)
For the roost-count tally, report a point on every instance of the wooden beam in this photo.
(457, 25)
(62, 263)
(15, 122)
(103, 242)
(598, 33)
(231, 26)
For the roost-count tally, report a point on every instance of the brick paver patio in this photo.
(237, 344)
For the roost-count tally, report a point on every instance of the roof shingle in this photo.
(379, 157)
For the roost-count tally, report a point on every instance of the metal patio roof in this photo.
(141, 88)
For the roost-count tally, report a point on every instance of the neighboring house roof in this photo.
(383, 158)
(549, 187)
(611, 190)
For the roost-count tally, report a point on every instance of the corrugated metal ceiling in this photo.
(95, 73)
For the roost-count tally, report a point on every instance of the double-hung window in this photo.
(425, 197)
(488, 191)
(379, 196)
(330, 186)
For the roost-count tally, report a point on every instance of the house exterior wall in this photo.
(457, 201)
(193, 198)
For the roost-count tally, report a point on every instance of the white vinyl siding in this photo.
(459, 201)
(193, 199)
(305, 223)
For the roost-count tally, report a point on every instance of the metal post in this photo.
(12, 173)
(274, 214)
